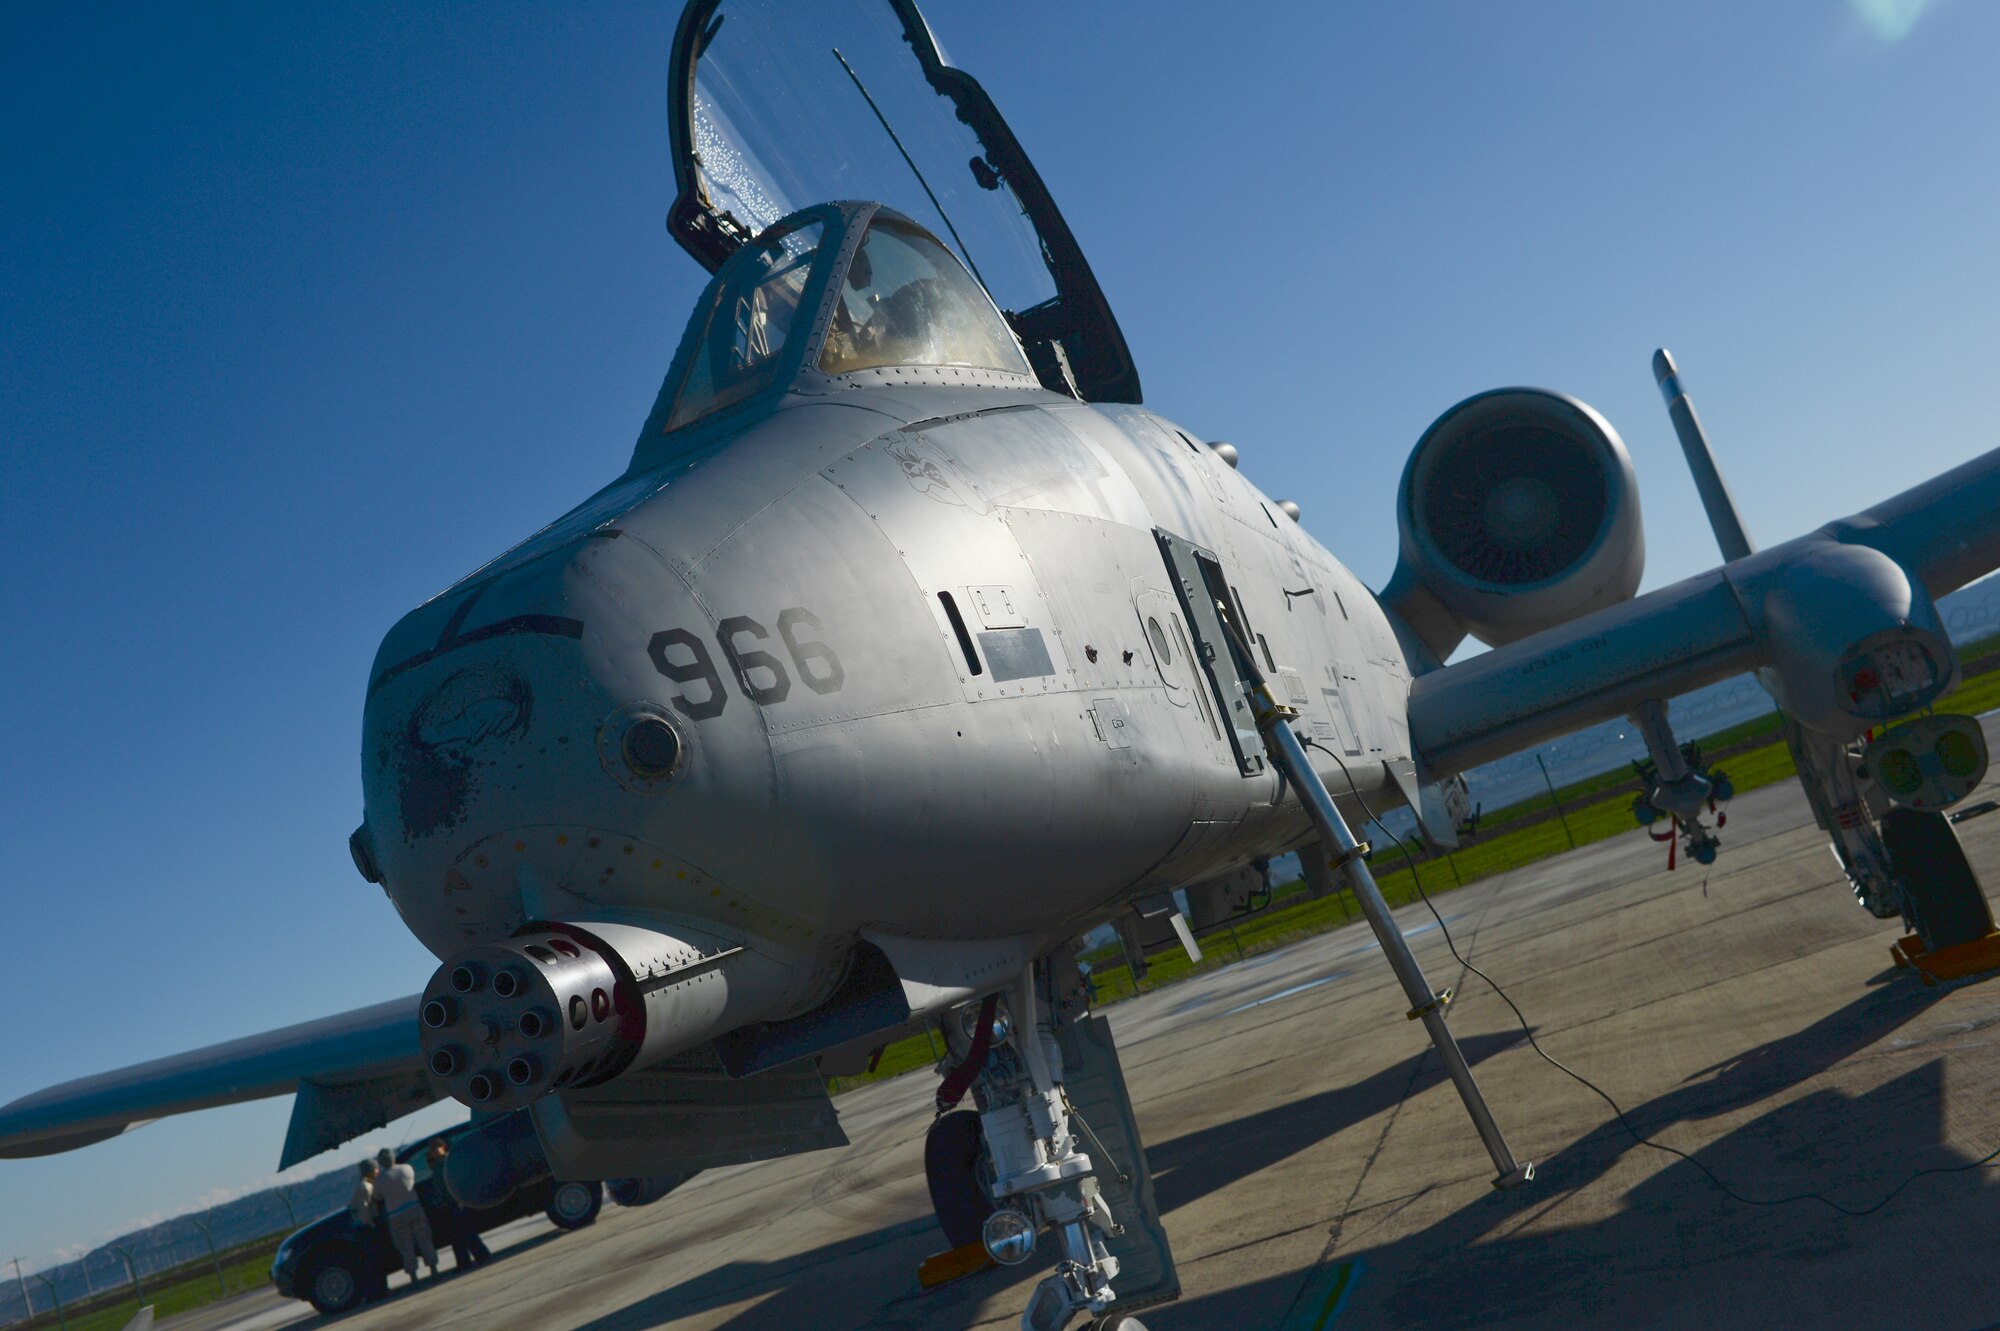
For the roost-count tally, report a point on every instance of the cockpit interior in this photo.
(845, 288)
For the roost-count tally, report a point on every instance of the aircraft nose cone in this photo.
(524, 758)
(449, 737)
(482, 716)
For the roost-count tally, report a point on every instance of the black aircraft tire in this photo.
(1946, 899)
(333, 1286)
(575, 1205)
(951, 1167)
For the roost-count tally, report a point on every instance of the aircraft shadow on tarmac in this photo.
(1855, 1148)
(1184, 1168)
(1197, 1163)
(1675, 1232)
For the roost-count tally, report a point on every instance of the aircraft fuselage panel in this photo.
(923, 663)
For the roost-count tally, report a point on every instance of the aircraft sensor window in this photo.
(906, 301)
(748, 320)
(1159, 638)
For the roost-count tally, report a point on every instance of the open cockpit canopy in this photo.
(779, 106)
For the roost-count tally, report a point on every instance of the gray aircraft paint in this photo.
(803, 818)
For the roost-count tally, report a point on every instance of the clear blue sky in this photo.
(310, 309)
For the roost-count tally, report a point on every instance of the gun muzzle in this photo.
(562, 1005)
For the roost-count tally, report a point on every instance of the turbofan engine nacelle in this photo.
(1518, 511)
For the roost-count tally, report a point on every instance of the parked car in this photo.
(496, 1169)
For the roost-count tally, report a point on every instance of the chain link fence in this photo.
(173, 1244)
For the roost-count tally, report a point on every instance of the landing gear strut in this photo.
(1057, 1151)
(1042, 1177)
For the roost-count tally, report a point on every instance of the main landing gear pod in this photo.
(1924, 766)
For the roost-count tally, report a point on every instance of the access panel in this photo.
(1204, 590)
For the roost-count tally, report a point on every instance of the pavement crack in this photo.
(1348, 1207)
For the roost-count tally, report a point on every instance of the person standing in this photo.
(409, 1230)
(361, 1202)
(450, 1220)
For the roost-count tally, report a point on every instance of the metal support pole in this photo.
(19, 1280)
(1425, 1004)
(1555, 800)
(132, 1270)
(215, 1260)
(55, 1296)
(1343, 851)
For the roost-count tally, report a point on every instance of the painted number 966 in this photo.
(683, 657)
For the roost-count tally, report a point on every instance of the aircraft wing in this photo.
(352, 1072)
(1804, 612)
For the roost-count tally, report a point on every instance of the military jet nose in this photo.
(442, 743)
(516, 765)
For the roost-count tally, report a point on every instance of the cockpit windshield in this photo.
(753, 307)
(782, 105)
(905, 301)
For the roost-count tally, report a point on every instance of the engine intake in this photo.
(1518, 511)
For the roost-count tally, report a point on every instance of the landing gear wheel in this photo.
(1946, 902)
(1116, 1323)
(575, 1205)
(951, 1167)
(333, 1287)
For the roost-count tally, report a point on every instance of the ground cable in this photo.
(1624, 1122)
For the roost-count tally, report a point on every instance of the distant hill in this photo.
(177, 1241)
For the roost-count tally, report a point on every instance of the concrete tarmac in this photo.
(1317, 1172)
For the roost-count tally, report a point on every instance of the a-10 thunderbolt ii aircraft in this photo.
(910, 647)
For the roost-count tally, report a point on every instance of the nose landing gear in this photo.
(1057, 1151)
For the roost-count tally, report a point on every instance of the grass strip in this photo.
(191, 1285)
